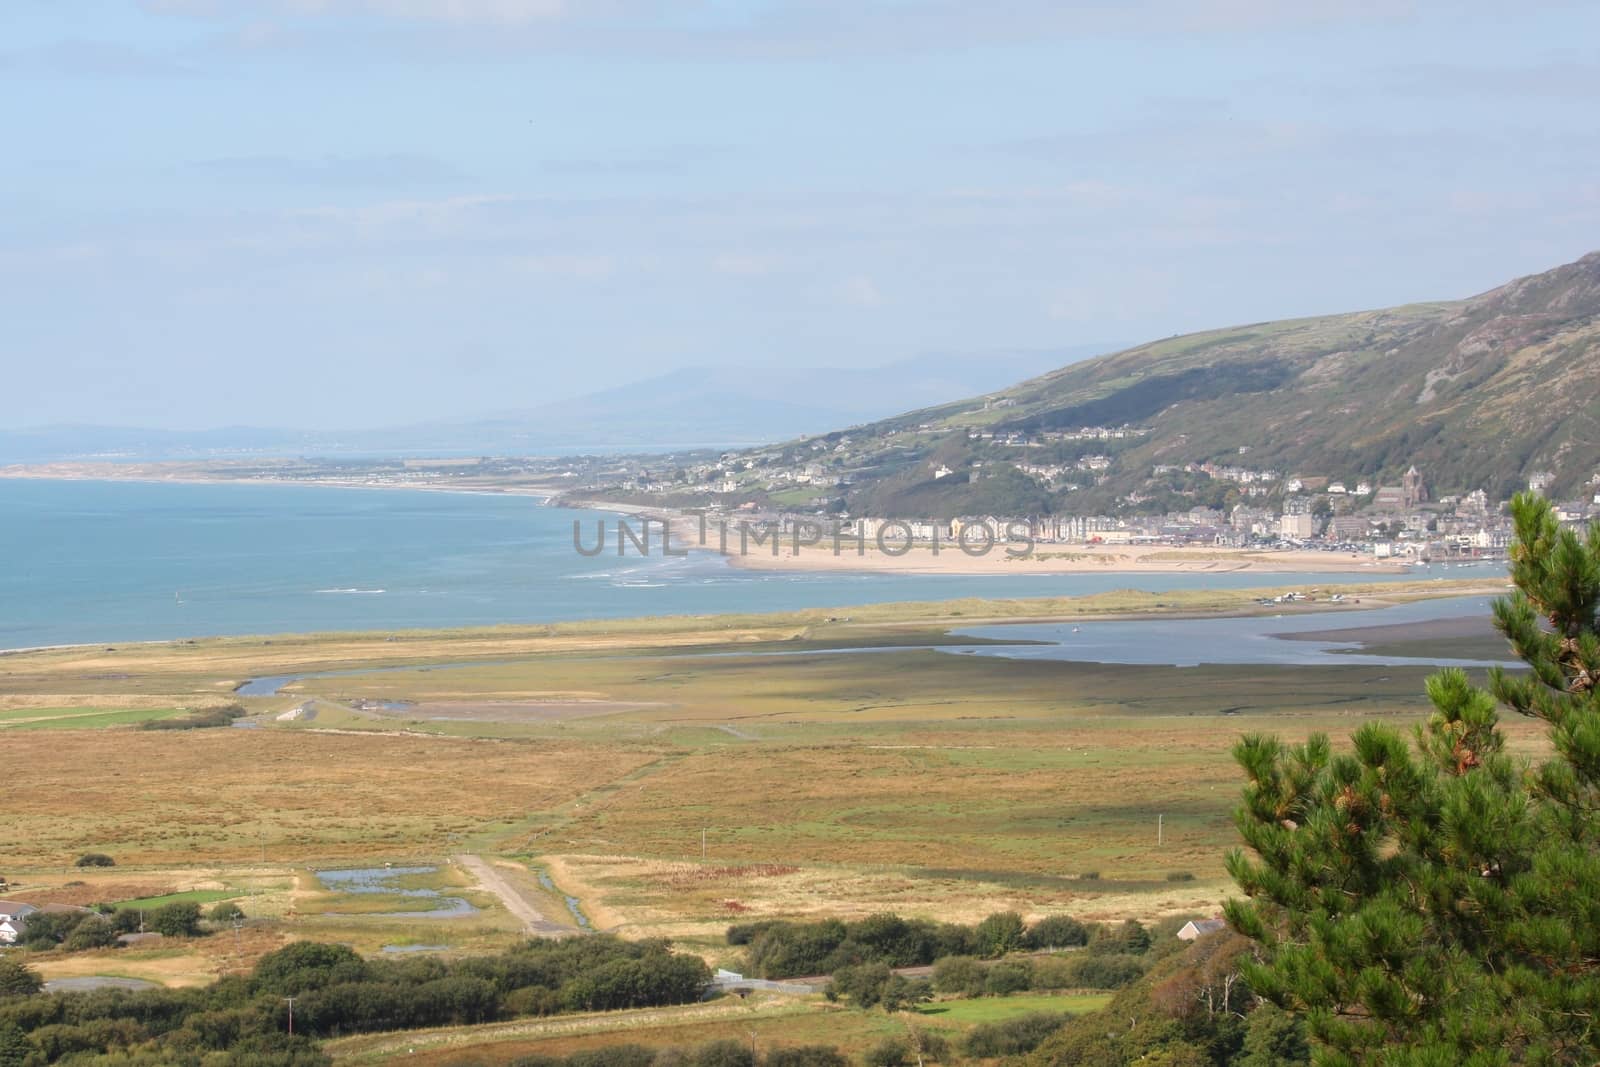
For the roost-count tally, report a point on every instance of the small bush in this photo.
(1010, 976)
(932, 1045)
(1013, 1037)
(1106, 972)
(723, 1053)
(1089, 876)
(1000, 933)
(959, 974)
(890, 1052)
(94, 859)
(92, 932)
(1180, 876)
(204, 719)
(806, 1056)
(628, 1055)
(744, 933)
(1057, 931)
(17, 980)
(1054, 972)
(181, 918)
(225, 912)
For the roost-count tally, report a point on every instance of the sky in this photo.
(315, 213)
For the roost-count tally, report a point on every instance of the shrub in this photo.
(1054, 972)
(1007, 977)
(1180, 876)
(533, 1000)
(1000, 933)
(625, 1055)
(93, 931)
(931, 1045)
(890, 1052)
(1057, 931)
(46, 929)
(225, 912)
(204, 719)
(17, 980)
(744, 933)
(1128, 938)
(959, 974)
(94, 859)
(304, 965)
(1013, 1037)
(806, 1056)
(181, 918)
(1106, 972)
(15, 1048)
(864, 985)
(724, 1053)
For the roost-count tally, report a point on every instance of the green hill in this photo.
(1477, 393)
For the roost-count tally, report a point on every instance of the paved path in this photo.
(492, 881)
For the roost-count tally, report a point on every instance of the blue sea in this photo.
(85, 561)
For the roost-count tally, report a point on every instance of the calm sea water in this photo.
(123, 561)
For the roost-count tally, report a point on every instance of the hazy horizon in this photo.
(368, 213)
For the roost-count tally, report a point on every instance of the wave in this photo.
(352, 592)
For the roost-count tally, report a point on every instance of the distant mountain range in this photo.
(716, 406)
(1477, 393)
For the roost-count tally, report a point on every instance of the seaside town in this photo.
(811, 483)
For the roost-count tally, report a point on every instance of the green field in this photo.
(995, 1009)
(80, 718)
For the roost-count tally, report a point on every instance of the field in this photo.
(656, 778)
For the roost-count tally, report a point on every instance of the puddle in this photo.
(382, 881)
(572, 902)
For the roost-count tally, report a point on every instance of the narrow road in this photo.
(492, 881)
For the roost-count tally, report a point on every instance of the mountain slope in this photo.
(1477, 393)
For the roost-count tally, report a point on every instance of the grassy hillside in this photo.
(1477, 393)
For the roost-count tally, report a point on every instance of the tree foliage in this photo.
(1440, 903)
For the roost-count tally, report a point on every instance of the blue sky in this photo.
(368, 212)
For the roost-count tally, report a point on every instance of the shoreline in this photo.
(1057, 609)
(920, 559)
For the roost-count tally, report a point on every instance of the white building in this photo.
(13, 917)
(1199, 928)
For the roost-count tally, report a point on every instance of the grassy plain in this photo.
(606, 755)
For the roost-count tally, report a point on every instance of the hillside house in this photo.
(13, 918)
(1197, 928)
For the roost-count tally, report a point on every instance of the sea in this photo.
(119, 561)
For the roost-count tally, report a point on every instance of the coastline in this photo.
(501, 639)
(920, 559)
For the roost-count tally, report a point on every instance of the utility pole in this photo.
(291, 1015)
(702, 844)
(1159, 820)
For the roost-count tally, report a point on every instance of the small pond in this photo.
(386, 881)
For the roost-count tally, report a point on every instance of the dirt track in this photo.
(491, 881)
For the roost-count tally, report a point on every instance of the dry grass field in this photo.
(599, 756)
(232, 796)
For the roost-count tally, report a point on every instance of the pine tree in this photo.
(1440, 906)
